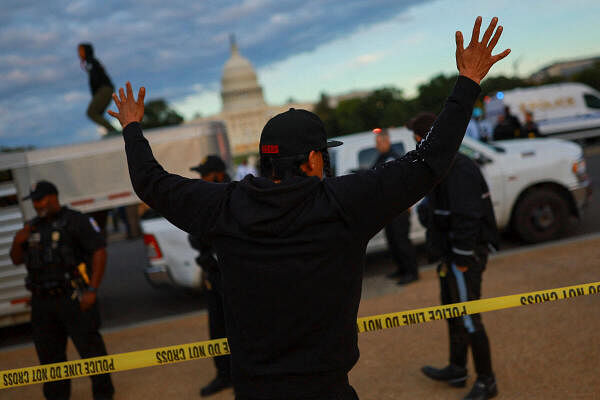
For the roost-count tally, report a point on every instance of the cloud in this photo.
(365, 59)
(75, 97)
(167, 46)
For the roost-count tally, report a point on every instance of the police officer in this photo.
(291, 243)
(461, 227)
(212, 169)
(397, 231)
(54, 247)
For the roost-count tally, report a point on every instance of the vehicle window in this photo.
(367, 157)
(333, 161)
(591, 101)
(468, 151)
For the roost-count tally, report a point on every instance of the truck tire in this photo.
(542, 214)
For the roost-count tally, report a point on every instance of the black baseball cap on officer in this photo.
(41, 190)
(292, 133)
(210, 164)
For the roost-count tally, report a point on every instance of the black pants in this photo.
(403, 252)
(344, 393)
(216, 323)
(468, 330)
(53, 319)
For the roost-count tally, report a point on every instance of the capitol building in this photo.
(244, 110)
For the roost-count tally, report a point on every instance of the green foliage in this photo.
(433, 94)
(589, 76)
(327, 115)
(158, 113)
(387, 107)
(498, 83)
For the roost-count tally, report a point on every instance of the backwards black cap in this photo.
(210, 164)
(294, 132)
(40, 190)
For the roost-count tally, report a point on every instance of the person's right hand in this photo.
(23, 234)
(475, 61)
(129, 109)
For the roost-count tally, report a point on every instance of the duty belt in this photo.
(51, 288)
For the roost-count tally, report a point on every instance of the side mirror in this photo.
(481, 159)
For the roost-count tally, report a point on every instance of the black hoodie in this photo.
(97, 74)
(292, 254)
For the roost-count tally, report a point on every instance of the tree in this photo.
(349, 117)
(589, 76)
(158, 113)
(384, 108)
(432, 95)
(327, 115)
(498, 83)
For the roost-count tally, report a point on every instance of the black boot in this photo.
(483, 389)
(397, 273)
(453, 375)
(215, 386)
(408, 278)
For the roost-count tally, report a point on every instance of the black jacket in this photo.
(459, 215)
(385, 157)
(292, 254)
(206, 258)
(96, 72)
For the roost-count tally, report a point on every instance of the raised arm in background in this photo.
(372, 198)
(187, 203)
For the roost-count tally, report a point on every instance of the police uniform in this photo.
(214, 299)
(397, 234)
(211, 275)
(53, 251)
(461, 229)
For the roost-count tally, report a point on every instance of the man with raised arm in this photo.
(291, 244)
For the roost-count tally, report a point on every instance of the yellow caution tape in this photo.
(218, 347)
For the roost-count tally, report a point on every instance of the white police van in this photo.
(565, 110)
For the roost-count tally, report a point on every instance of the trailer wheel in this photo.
(541, 215)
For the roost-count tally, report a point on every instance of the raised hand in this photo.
(475, 61)
(130, 110)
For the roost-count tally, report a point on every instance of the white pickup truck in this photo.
(536, 186)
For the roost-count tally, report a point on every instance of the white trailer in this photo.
(90, 177)
(571, 110)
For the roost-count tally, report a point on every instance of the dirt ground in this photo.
(546, 351)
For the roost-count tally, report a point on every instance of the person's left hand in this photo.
(130, 110)
(87, 300)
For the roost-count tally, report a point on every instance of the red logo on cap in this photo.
(269, 149)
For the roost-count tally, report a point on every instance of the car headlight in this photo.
(580, 170)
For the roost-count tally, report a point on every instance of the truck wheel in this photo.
(541, 215)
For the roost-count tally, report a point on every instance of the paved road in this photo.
(126, 298)
(544, 351)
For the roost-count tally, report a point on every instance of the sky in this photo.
(177, 49)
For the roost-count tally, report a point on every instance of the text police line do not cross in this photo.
(218, 347)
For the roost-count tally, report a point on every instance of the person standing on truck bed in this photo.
(100, 85)
(53, 247)
(291, 243)
(397, 231)
(461, 227)
(213, 169)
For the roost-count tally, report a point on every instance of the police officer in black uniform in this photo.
(461, 228)
(397, 231)
(213, 169)
(56, 246)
